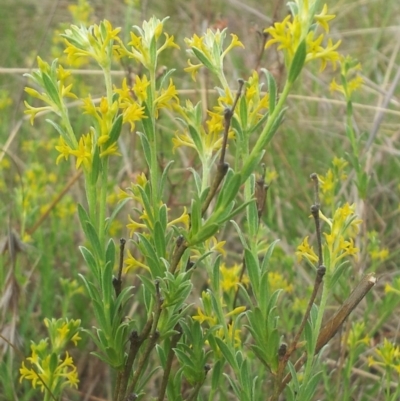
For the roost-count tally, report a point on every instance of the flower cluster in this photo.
(339, 241)
(96, 42)
(50, 371)
(351, 81)
(298, 27)
(386, 355)
(210, 52)
(53, 80)
(143, 47)
(207, 314)
(330, 182)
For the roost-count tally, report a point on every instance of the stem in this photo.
(266, 135)
(332, 325)
(152, 337)
(153, 146)
(91, 199)
(103, 202)
(168, 366)
(321, 309)
(108, 82)
(205, 174)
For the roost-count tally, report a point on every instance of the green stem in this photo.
(153, 146)
(318, 323)
(205, 179)
(266, 135)
(108, 82)
(103, 202)
(91, 198)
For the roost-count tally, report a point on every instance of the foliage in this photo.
(205, 302)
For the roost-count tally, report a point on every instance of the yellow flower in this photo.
(234, 43)
(388, 356)
(193, 69)
(110, 150)
(323, 18)
(233, 335)
(166, 96)
(133, 263)
(277, 282)
(134, 112)
(201, 318)
(289, 33)
(304, 250)
(95, 42)
(83, 153)
(88, 106)
(64, 150)
(379, 254)
(140, 87)
(231, 277)
(134, 226)
(184, 219)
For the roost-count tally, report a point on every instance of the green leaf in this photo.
(338, 273)
(251, 211)
(215, 278)
(123, 297)
(298, 61)
(159, 240)
(156, 266)
(294, 380)
(146, 148)
(115, 131)
(90, 260)
(53, 362)
(362, 184)
(153, 53)
(253, 269)
(206, 232)
(234, 212)
(164, 176)
(271, 89)
(91, 290)
(110, 252)
(229, 191)
(107, 288)
(94, 240)
(240, 233)
(96, 166)
(239, 133)
(83, 216)
(203, 59)
(228, 354)
(250, 164)
(147, 123)
(311, 386)
(216, 375)
(146, 203)
(264, 292)
(243, 112)
(165, 78)
(60, 130)
(246, 381)
(197, 179)
(163, 217)
(267, 256)
(51, 89)
(196, 136)
(259, 124)
(195, 217)
(161, 354)
(118, 208)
